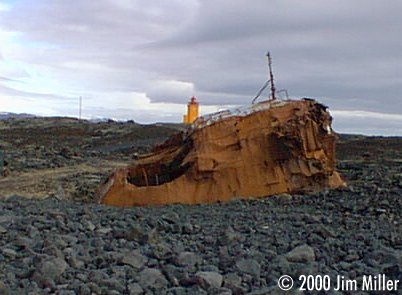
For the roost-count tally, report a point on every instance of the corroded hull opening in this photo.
(269, 148)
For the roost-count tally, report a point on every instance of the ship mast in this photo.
(271, 76)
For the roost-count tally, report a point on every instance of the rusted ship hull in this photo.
(270, 148)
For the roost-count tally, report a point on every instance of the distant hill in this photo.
(6, 115)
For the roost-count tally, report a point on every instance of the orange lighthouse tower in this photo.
(192, 111)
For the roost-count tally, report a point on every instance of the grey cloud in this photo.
(8, 91)
(370, 123)
(91, 42)
(7, 79)
(221, 21)
(172, 91)
(62, 21)
(99, 31)
(347, 50)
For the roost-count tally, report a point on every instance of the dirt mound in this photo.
(66, 157)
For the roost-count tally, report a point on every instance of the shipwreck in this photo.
(267, 148)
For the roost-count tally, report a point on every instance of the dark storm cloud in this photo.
(344, 50)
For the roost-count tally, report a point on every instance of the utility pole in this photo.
(1, 162)
(271, 76)
(80, 110)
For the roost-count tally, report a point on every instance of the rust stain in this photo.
(268, 148)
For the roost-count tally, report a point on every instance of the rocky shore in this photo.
(241, 247)
(61, 246)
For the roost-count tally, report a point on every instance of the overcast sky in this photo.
(143, 59)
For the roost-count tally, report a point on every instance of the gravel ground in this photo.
(70, 157)
(240, 247)
(57, 246)
(39, 143)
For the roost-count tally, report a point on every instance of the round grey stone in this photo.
(249, 266)
(152, 278)
(301, 254)
(209, 279)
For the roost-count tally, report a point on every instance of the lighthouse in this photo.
(192, 111)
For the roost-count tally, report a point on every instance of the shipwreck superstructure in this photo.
(268, 148)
